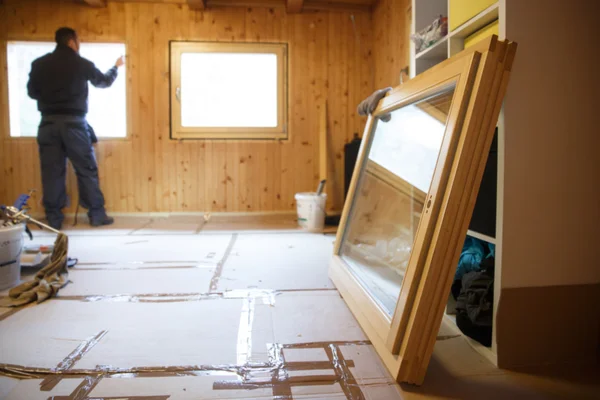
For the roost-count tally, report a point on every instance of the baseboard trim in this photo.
(285, 213)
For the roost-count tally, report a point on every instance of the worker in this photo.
(59, 83)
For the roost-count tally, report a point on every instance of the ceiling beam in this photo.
(93, 3)
(197, 4)
(294, 6)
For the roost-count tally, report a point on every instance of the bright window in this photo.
(228, 90)
(107, 111)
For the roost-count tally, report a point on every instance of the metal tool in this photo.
(321, 187)
(18, 216)
(17, 213)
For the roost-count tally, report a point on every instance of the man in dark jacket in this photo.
(59, 83)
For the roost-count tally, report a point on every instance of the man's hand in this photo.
(369, 105)
(120, 62)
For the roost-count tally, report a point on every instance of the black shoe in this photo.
(106, 220)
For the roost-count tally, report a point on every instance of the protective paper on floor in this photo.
(175, 225)
(314, 317)
(251, 224)
(139, 319)
(122, 226)
(175, 249)
(86, 282)
(284, 261)
(30, 389)
(165, 334)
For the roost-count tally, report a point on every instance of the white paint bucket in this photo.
(11, 246)
(311, 211)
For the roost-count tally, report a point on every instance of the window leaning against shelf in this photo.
(107, 107)
(228, 90)
(411, 199)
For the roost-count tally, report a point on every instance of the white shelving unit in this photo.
(423, 14)
(481, 236)
(436, 52)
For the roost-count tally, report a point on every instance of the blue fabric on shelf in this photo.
(470, 259)
(492, 249)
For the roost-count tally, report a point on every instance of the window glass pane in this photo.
(229, 90)
(107, 108)
(107, 112)
(389, 199)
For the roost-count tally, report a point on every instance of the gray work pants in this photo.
(61, 137)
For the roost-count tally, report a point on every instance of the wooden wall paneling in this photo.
(138, 63)
(181, 164)
(284, 28)
(197, 4)
(160, 119)
(274, 31)
(257, 30)
(143, 172)
(5, 162)
(175, 173)
(260, 163)
(348, 48)
(10, 172)
(336, 88)
(294, 6)
(36, 180)
(217, 172)
(304, 138)
(199, 29)
(220, 148)
(391, 42)
(318, 99)
(33, 169)
(241, 176)
(93, 3)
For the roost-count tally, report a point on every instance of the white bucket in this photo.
(11, 246)
(311, 211)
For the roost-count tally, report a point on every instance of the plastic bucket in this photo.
(311, 211)
(11, 246)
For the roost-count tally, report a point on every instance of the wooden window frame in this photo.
(177, 48)
(405, 340)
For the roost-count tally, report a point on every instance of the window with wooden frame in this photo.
(228, 90)
(107, 107)
(412, 194)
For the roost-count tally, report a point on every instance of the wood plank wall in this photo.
(330, 59)
(391, 35)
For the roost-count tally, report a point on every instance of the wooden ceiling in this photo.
(292, 6)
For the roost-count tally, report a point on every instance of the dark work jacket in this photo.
(59, 82)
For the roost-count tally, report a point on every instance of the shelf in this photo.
(479, 21)
(486, 352)
(438, 51)
(481, 236)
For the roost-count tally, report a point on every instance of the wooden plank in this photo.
(93, 3)
(294, 6)
(323, 149)
(391, 38)
(197, 4)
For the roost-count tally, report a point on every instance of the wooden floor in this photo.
(229, 308)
